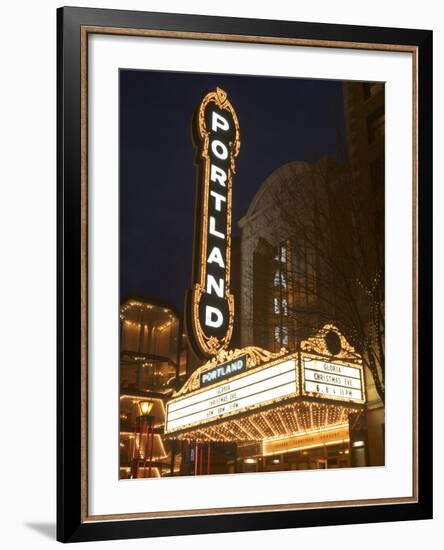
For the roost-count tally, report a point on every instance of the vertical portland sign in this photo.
(210, 303)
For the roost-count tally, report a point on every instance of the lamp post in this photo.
(146, 426)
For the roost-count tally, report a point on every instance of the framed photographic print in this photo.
(244, 285)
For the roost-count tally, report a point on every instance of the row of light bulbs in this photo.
(145, 326)
(283, 420)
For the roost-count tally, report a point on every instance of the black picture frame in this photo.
(71, 523)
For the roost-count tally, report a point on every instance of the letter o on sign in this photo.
(219, 149)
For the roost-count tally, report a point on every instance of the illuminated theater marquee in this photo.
(224, 397)
(210, 306)
(245, 392)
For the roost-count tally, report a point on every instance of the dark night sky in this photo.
(280, 119)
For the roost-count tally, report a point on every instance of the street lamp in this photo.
(145, 424)
(146, 407)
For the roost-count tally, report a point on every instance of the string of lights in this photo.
(280, 421)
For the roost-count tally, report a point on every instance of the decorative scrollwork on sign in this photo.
(322, 343)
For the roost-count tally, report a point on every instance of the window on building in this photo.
(281, 335)
(277, 334)
(310, 274)
(279, 280)
(281, 297)
(283, 253)
(276, 307)
(305, 278)
(285, 336)
(372, 88)
(266, 279)
(280, 306)
(284, 306)
(376, 125)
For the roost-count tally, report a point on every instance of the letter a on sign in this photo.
(210, 304)
(216, 257)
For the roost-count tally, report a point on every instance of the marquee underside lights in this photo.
(210, 303)
(277, 421)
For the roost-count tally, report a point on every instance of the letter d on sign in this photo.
(213, 317)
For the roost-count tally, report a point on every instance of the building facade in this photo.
(151, 364)
(290, 238)
(364, 109)
(307, 257)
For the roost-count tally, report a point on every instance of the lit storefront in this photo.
(272, 411)
(149, 368)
